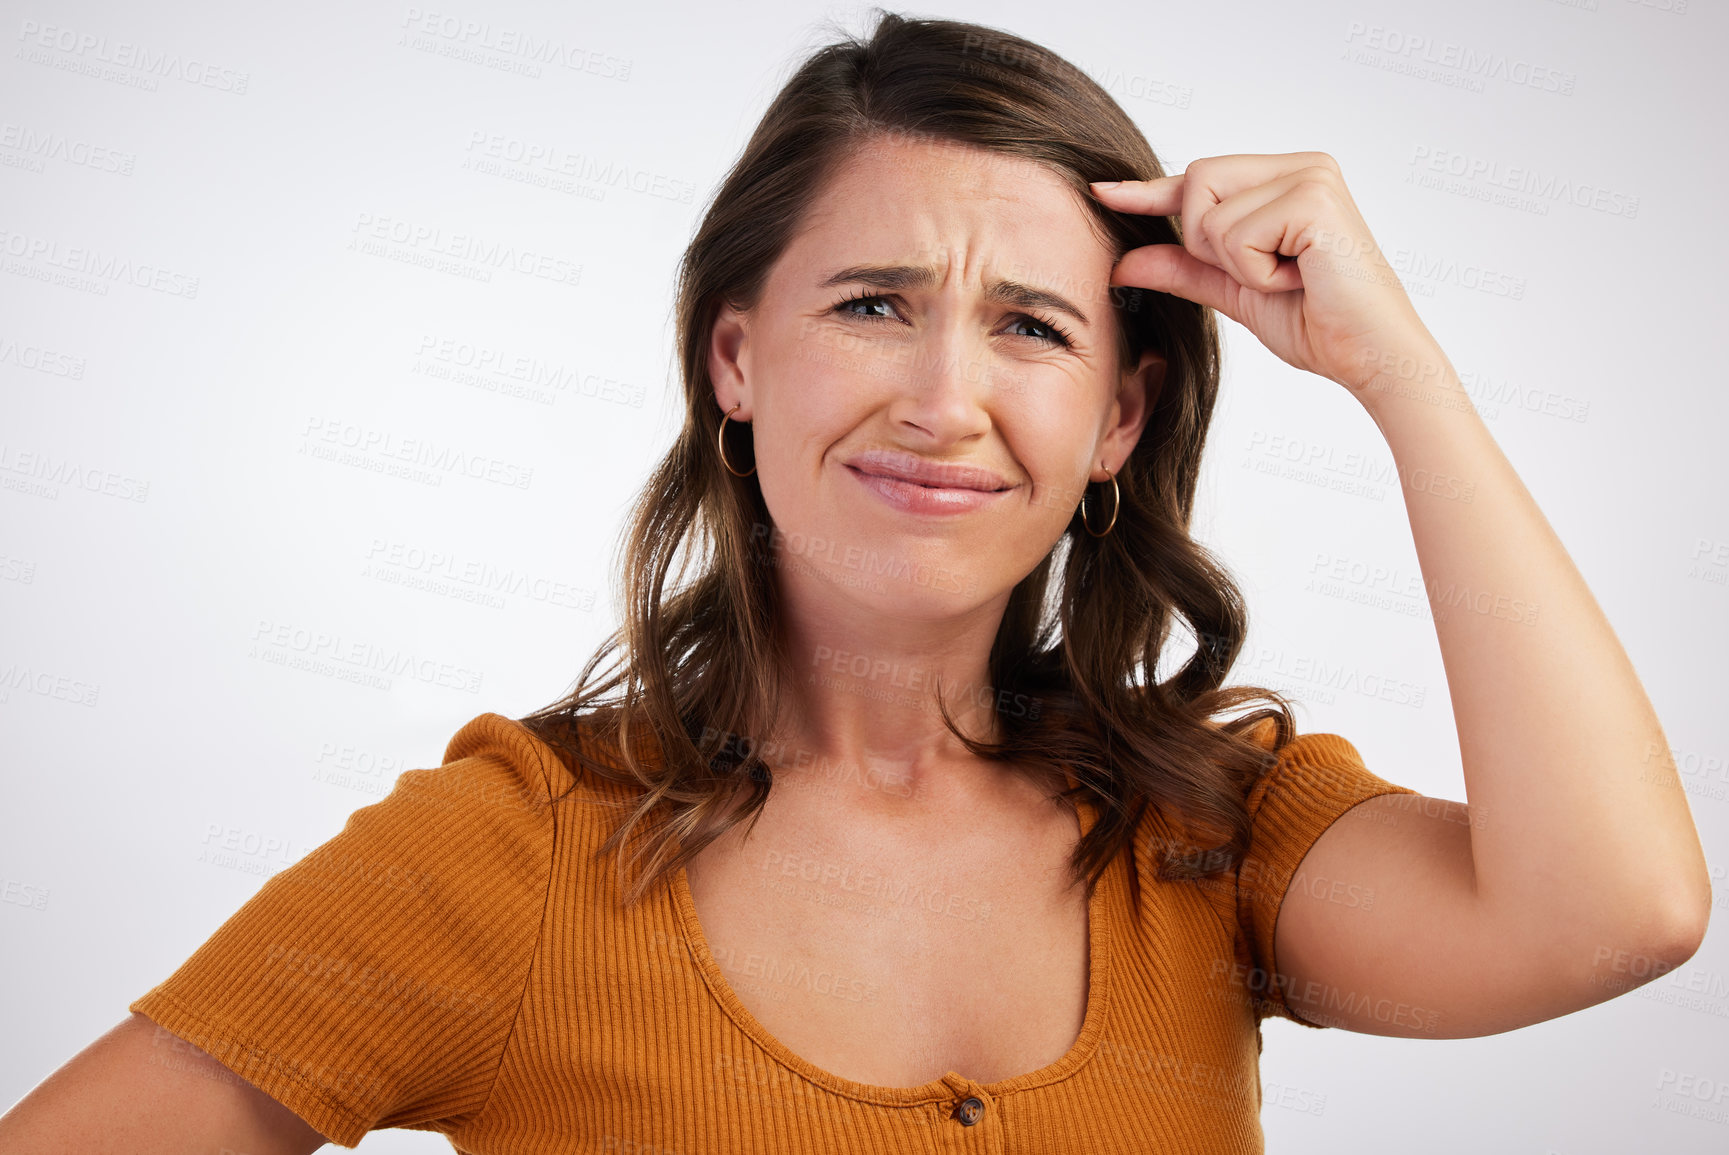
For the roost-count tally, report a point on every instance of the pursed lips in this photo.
(929, 475)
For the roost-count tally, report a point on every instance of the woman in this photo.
(892, 840)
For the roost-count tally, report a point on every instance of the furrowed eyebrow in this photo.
(923, 277)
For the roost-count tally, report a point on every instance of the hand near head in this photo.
(1275, 243)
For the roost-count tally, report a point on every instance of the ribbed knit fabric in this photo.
(455, 960)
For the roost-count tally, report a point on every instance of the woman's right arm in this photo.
(140, 1090)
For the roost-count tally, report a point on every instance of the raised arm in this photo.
(1573, 872)
(138, 1090)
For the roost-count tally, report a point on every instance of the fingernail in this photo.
(1106, 183)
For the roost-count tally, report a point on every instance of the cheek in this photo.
(809, 367)
(799, 353)
(812, 393)
(796, 429)
(818, 347)
(1053, 439)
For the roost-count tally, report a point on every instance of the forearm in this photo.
(1581, 833)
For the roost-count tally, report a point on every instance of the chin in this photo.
(906, 587)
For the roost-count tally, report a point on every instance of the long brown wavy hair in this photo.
(697, 662)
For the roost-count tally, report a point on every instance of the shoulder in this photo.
(550, 758)
(1302, 761)
(1310, 780)
(395, 953)
(482, 818)
(1303, 785)
(510, 747)
(571, 773)
(1306, 783)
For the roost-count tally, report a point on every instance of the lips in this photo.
(911, 468)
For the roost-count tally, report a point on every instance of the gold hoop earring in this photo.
(720, 442)
(1116, 503)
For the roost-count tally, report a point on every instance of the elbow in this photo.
(1664, 933)
(1685, 921)
(1688, 933)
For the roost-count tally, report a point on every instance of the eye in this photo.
(1054, 333)
(845, 306)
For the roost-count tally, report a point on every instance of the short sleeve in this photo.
(1313, 780)
(374, 982)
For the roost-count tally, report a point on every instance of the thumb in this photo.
(1173, 269)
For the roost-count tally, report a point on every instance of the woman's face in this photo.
(983, 350)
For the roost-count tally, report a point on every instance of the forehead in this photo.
(925, 200)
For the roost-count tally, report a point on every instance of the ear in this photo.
(727, 361)
(1137, 393)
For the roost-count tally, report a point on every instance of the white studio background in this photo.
(1549, 176)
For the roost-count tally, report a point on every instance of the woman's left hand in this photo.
(1275, 243)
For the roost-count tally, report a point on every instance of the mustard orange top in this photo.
(454, 960)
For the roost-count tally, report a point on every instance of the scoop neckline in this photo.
(948, 1084)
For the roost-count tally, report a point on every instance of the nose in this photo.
(944, 383)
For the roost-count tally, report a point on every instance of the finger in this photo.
(1247, 232)
(1252, 246)
(1172, 196)
(1223, 175)
(1172, 269)
(1197, 195)
(1226, 176)
(1160, 197)
(1198, 200)
(1207, 182)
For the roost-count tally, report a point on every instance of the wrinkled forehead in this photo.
(970, 212)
